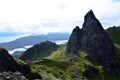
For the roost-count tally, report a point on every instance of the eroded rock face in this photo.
(74, 43)
(7, 63)
(95, 40)
(89, 71)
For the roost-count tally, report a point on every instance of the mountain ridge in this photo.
(39, 51)
(34, 39)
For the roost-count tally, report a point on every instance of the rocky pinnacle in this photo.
(95, 40)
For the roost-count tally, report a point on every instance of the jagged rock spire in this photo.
(74, 43)
(89, 16)
(91, 22)
(95, 40)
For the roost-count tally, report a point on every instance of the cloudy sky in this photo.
(44, 16)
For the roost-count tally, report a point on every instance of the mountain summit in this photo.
(95, 40)
(39, 51)
(91, 22)
(89, 16)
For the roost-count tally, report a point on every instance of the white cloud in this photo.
(43, 16)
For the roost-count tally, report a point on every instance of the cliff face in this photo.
(94, 39)
(74, 43)
(8, 64)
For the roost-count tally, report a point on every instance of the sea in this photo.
(11, 38)
(58, 42)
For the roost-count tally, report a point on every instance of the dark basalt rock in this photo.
(74, 43)
(7, 63)
(95, 40)
(27, 72)
(91, 22)
(89, 71)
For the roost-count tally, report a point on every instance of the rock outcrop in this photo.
(12, 76)
(8, 63)
(39, 51)
(95, 40)
(89, 71)
(74, 43)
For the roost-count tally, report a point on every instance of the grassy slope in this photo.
(70, 68)
(53, 67)
(39, 51)
(59, 54)
(59, 67)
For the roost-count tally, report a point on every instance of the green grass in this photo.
(18, 61)
(55, 70)
(39, 51)
(37, 56)
(79, 62)
(59, 54)
(71, 67)
(59, 67)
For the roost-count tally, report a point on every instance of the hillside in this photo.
(33, 39)
(17, 54)
(114, 32)
(95, 58)
(72, 68)
(39, 51)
